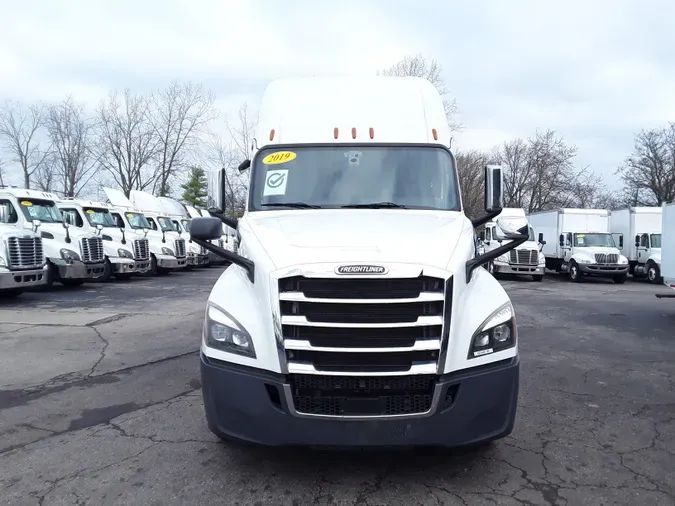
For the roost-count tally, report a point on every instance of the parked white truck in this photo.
(641, 229)
(525, 259)
(22, 260)
(123, 258)
(135, 225)
(668, 248)
(196, 255)
(580, 243)
(325, 331)
(73, 256)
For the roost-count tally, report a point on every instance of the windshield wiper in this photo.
(375, 205)
(298, 205)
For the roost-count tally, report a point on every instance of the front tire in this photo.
(538, 278)
(107, 271)
(11, 293)
(72, 282)
(575, 273)
(620, 280)
(653, 273)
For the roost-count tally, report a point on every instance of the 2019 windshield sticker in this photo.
(279, 157)
(275, 182)
(90, 211)
(26, 203)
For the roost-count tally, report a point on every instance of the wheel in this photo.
(620, 279)
(153, 268)
(11, 293)
(123, 275)
(575, 273)
(538, 278)
(50, 275)
(653, 273)
(107, 271)
(72, 282)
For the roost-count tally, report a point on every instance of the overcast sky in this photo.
(595, 71)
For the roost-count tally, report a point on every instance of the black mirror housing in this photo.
(561, 240)
(244, 165)
(206, 229)
(494, 181)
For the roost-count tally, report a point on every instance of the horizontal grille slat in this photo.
(366, 362)
(361, 288)
(335, 337)
(361, 313)
(25, 252)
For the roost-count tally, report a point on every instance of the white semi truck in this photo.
(668, 248)
(579, 243)
(325, 331)
(72, 256)
(526, 259)
(22, 260)
(135, 225)
(123, 258)
(196, 255)
(641, 228)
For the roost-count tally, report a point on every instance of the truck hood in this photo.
(355, 235)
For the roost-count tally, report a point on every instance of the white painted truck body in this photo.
(196, 255)
(22, 260)
(526, 259)
(124, 258)
(73, 256)
(343, 336)
(668, 245)
(641, 230)
(135, 225)
(579, 242)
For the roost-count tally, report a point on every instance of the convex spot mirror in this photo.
(510, 228)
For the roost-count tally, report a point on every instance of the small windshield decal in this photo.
(90, 211)
(129, 215)
(26, 203)
(275, 182)
(279, 157)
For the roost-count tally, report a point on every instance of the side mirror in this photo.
(637, 240)
(244, 165)
(65, 222)
(216, 191)
(36, 225)
(4, 213)
(145, 231)
(511, 228)
(494, 181)
(561, 240)
(206, 229)
(621, 241)
(99, 228)
(541, 238)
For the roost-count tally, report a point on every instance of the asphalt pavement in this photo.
(100, 403)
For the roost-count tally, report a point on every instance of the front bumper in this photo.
(604, 270)
(504, 268)
(77, 269)
(122, 265)
(10, 280)
(169, 262)
(195, 259)
(256, 406)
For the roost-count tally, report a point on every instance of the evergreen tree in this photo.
(195, 189)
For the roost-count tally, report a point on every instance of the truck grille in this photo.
(363, 346)
(606, 258)
(25, 252)
(180, 248)
(524, 256)
(92, 250)
(142, 249)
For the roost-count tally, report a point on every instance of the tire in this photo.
(153, 268)
(11, 293)
(107, 271)
(123, 276)
(50, 275)
(653, 273)
(575, 273)
(620, 280)
(538, 278)
(72, 282)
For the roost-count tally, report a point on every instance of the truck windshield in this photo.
(414, 177)
(43, 210)
(591, 240)
(97, 216)
(655, 240)
(166, 224)
(137, 220)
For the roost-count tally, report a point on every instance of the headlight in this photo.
(583, 260)
(2, 262)
(623, 259)
(167, 251)
(503, 258)
(497, 333)
(68, 254)
(223, 332)
(125, 253)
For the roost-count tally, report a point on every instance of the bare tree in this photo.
(73, 162)
(418, 66)
(127, 142)
(178, 115)
(19, 130)
(2, 173)
(649, 172)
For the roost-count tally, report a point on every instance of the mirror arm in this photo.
(245, 263)
(472, 264)
(477, 222)
(230, 222)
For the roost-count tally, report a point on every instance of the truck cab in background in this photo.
(525, 259)
(581, 243)
(123, 258)
(73, 256)
(325, 331)
(641, 229)
(22, 260)
(196, 255)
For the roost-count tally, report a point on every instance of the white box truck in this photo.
(22, 260)
(325, 331)
(641, 229)
(73, 256)
(668, 248)
(525, 259)
(579, 243)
